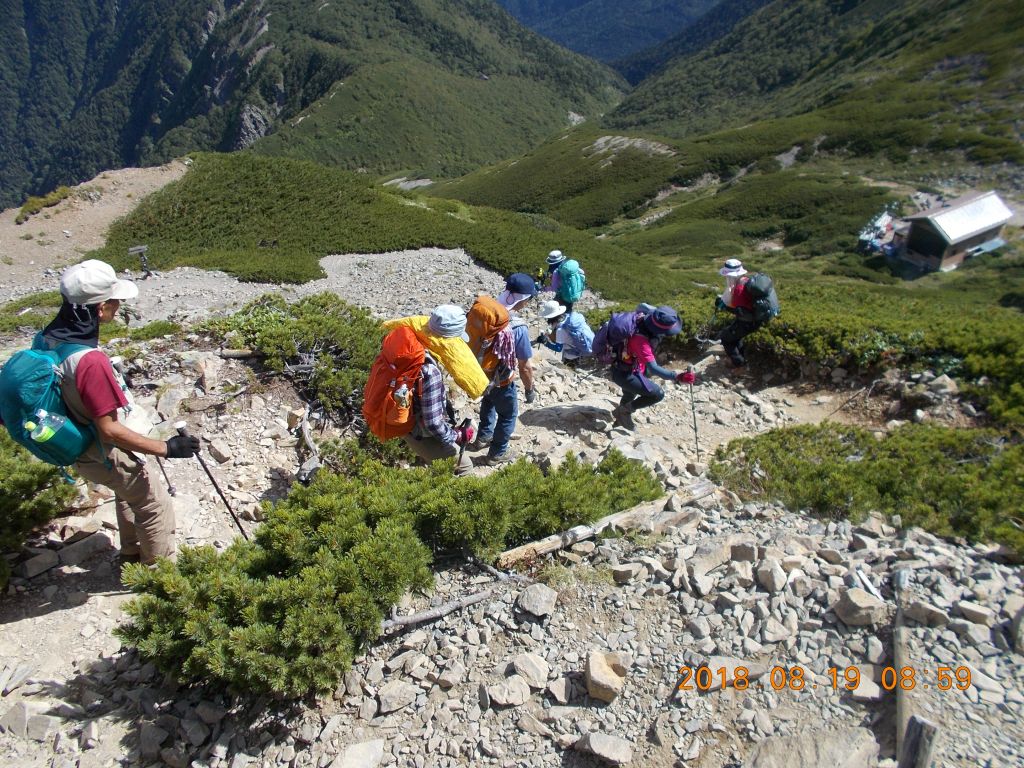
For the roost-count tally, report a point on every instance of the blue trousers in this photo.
(637, 392)
(498, 411)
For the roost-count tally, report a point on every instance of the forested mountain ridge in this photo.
(607, 29)
(714, 24)
(794, 56)
(96, 84)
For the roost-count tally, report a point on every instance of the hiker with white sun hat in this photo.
(567, 333)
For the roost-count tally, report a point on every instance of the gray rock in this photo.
(151, 738)
(538, 599)
(774, 631)
(511, 692)
(454, 674)
(867, 690)
(560, 690)
(368, 754)
(605, 675)
(944, 385)
(84, 549)
(857, 608)
(220, 451)
(842, 748)
(395, 695)
(1017, 631)
(41, 563)
(368, 709)
(209, 712)
(755, 670)
(15, 719)
(533, 669)
(926, 613)
(530, 724)
(612, 749)
(770, 575)
(979, 614)
(624, 574)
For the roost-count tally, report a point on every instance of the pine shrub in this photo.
(285, 613)
(31, 493)
(952, 482)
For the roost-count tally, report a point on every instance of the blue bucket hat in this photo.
(663, 321)
(448, 321)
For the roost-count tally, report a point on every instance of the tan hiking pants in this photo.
(145, 517)
(430, 449)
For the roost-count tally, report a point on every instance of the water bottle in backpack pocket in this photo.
(399, 405)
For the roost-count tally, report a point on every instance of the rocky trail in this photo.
(596, 662)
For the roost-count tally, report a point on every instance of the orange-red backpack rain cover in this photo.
(399, 362)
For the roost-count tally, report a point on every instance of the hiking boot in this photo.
(500, 460)
(480, 443)
(623, 417)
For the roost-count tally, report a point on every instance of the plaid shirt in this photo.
(431, 415)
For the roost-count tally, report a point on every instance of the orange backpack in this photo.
(387, 399)
(485, 319)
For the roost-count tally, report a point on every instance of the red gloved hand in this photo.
(686, 377)
(464, 435)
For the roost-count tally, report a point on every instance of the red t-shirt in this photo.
(639, 352)
(94, 379)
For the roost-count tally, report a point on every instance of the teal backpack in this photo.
(571, 282)
(30, 382)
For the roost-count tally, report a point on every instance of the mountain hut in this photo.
(940, 238)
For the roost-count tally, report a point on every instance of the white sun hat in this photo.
(550, 309)
(555, 257)
(732, 268)
(93, 282)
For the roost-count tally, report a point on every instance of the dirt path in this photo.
(61, 235)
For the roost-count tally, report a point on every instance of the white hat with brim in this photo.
(93, 282)
(551, 309)
(732, 268)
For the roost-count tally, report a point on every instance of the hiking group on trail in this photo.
(66, 402)
(495, 338)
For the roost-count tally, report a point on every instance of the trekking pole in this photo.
(170, 487)
(693, 410)
(182, 430)
(702, 336)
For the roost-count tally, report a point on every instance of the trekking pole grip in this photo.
(181, 427)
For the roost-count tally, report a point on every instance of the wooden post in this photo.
(634, 517)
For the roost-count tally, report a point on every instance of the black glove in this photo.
(531, 395)
(541, 339)
(182, 447)
(720, 304)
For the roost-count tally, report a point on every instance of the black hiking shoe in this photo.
(623, 417)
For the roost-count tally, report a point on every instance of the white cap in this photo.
(550, 309)
(93, 282)
(732, 268)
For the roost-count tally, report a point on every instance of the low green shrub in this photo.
(286, 612)
(154, 330)
(952, 482)
(34, 205)
(341, 340)
(31, 493)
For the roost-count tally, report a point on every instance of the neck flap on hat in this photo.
(75, 324)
